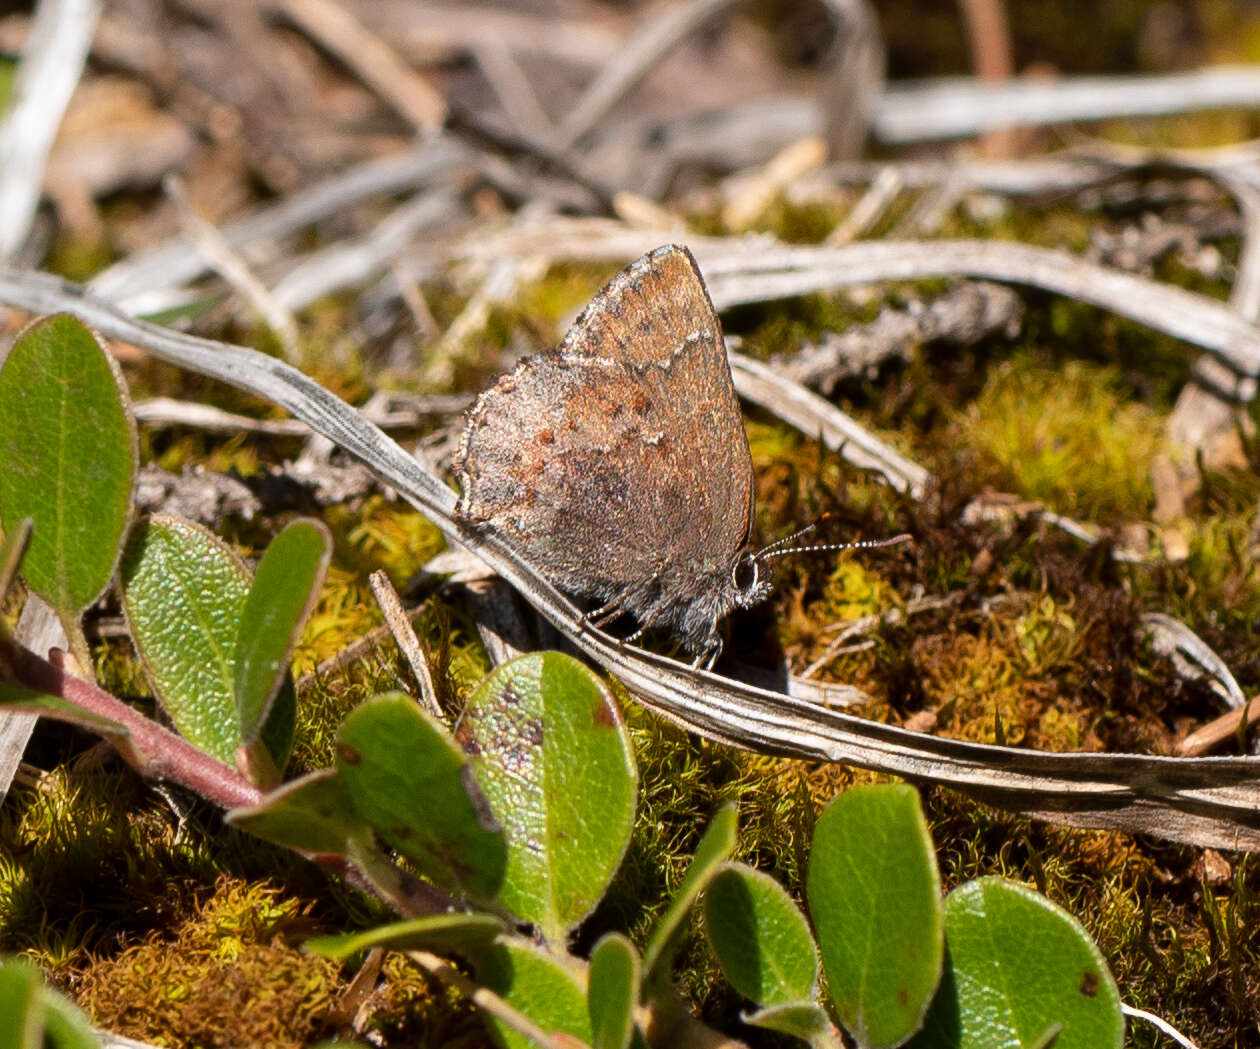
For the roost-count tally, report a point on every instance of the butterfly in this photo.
(617, 463)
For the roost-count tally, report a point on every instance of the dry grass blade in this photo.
(957, 108)
(379, 66)
(176, 261)
(53, 60)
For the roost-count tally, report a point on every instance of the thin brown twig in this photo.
(399, 622)
(377, 64)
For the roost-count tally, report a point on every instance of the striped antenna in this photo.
(773, 549)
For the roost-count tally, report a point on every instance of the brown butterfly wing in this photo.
(618, 465)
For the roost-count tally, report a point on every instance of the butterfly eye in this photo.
(746, 577)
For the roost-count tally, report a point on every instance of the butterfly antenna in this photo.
(862, 544)
(765, 550)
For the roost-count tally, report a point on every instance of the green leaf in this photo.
(68, 445)
(434, 932)
(1018, 964)
(21, 1004)
(406, 777)
(18, 697)
(65, 1027)
(555, 761)
(183, 590)
(874, 896)
(537, 984)
(613, 991)
(310, 814)
(807, 1021)
(286, 585)
(759, 937)
(716, 846)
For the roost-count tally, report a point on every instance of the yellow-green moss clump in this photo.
(1067, 436)
(232, 974)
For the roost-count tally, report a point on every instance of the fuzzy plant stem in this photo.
(155, 752)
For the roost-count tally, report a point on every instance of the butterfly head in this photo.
(749, 583)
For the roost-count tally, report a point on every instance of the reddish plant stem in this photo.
(156, 752)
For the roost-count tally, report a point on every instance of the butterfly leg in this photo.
(709, 654)
(597, 617)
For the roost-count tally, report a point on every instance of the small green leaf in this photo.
(1017, 965)
(183, 589)
(804, 1020)
(434, 932)
(406, 777)
(21, 1004)
(286, 584)
(68, 444)
(874, 896)
(613, 991)
(716, 846)
(537, 984)
(18, 697)
(554, 759)
(65, 1027)
(759, 937)
(310, 814)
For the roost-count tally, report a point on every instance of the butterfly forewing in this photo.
(618, 464)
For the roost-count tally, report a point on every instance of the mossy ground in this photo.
(158, 921)
(163, 924)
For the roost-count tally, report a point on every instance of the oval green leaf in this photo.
(1018, 965)
(874, 896)
(613, 991)
(18, 697)
(21, 1004)
(310, 814)
(285, 587)
(538, 985)
(68, 444)
(433, 932)
(553, 756)
(760, 938)
(407, 778)
(807, 1021)
(715, 848)
(183, 590)
(65, 1027)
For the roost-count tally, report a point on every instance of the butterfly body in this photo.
(617, 464)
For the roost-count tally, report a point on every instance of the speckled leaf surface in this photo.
(1017, 966)
(553, 756)
(875, 900)
(68, 448)
(183, 590)
(407, 778)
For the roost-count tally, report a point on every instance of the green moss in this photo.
(237, 958)
(1066, 436)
